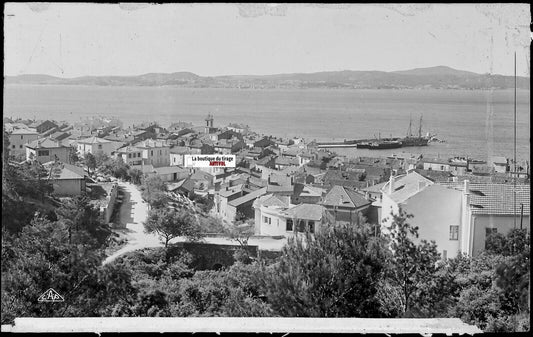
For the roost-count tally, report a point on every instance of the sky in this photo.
(70, 40)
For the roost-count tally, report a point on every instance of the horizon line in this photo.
(256, 75)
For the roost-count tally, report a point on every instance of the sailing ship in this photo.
(385, 143)
(411, 140)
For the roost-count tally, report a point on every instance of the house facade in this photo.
(156, 153)
(276, 216)
(96, 145)
(131, 155)
(45, 150)
(344, 204)
(66, 179)
(458, 216)
(19, 138)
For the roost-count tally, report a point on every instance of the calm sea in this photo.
(474, 123)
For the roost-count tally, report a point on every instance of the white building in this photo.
(457, 216)
(96, 145)
(19, 138)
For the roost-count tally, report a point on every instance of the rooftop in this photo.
(406, 186)
(306, 212)
(93, 140)
(496, 199)
(344, 197)
(248, 197)
(44, 143)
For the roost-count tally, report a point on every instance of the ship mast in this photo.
(420, 128)
(409, 132)
(514, 168)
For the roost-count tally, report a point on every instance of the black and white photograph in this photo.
(266, 167)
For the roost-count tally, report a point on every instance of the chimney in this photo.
(467, 186)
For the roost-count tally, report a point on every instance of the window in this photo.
(14, 146)
(301, 226)
(489, 231)
(151, 152)
(311, 225)
(454, 232)
(43, 153)
(21, 137)
(129, 155)
(20, 146)
(267, 220)
(288, 226)
(99, 146)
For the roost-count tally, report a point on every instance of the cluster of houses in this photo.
(289, 186)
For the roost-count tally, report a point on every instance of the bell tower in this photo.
(208, 123)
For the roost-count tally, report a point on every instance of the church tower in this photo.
(208, 123)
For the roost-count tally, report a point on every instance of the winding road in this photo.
(133, 213)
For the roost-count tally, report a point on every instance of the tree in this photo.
(79, 215)
(169, 224)
(101, 158)
(240, 231)
(42, 257)
(411, 265)
(336, 274)
(135, 175)
(154, 192)
(73, 156)
(90, 161)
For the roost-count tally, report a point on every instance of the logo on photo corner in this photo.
(51, 296)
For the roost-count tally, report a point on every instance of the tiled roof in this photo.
(180, 150)
(308, 191)
(44, 143)
(93, 140)
(496, 199)
(344, 197)
(202, 175)
(169, 169)
(305, 212)
(231, 191)
(150, 143)
(436, 161)
(24, 131)
(248, 197)
(128, 149)
(271, 200)
(406, 186)
(375, 188)
(66, 171)
(280, 188)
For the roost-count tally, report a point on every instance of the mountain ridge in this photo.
(442, 77)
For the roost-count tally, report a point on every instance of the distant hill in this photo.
(440, 77)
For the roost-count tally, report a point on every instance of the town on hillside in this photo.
(287, 229)
(286, 186)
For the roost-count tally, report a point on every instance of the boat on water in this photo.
(385, 144)
(411, 140)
